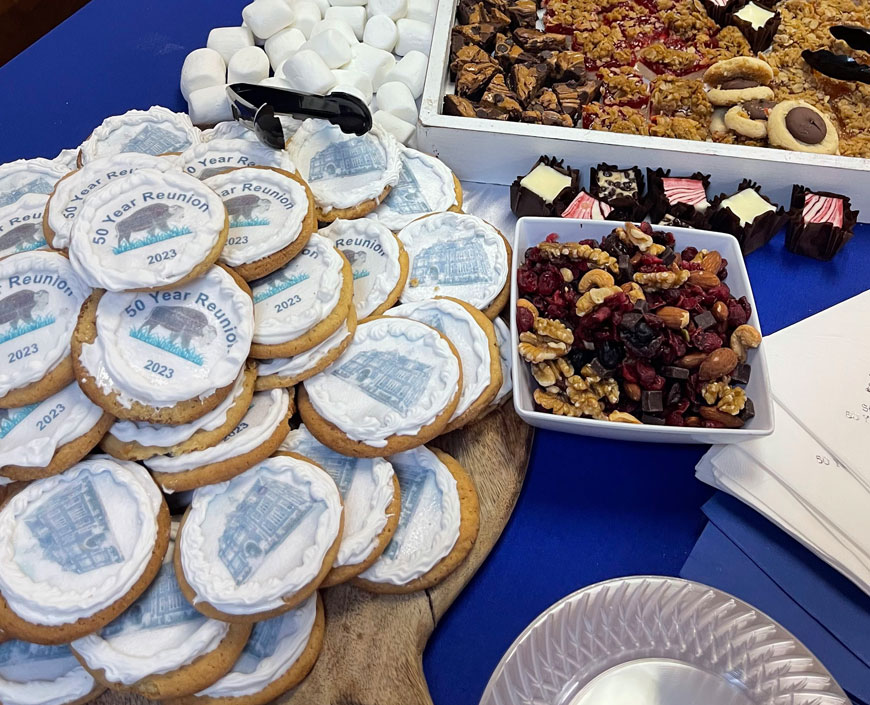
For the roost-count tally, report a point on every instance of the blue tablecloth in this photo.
(591, 509)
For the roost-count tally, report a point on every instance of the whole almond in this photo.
(704, 279)
(720, 311)
(711, 413)
(632, 390)
(712, 262)
(719, 363)
(674, 317)
(692, 360)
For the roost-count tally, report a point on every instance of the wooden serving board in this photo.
(373, 646)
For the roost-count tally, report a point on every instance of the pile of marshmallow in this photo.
(319, 46)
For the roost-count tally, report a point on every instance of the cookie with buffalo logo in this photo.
(148, 230)
(20, 225)
(166, 357)
(40, 297)
(219, 155)
(271, 216)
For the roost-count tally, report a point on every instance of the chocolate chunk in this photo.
(589, 344)
(631, 319)
(651, 401)
(470, 12)
(737, 84)
(741, 373)
(552, 117)
(533, 117)
(569, 66)
(675, 393)
(748, 410)
(454, 105)
(501, 20)
(469, 54)
(528, 80)
(758, 109)
(668, 256)
(626, 270)
(482, 34)
(652, 420)
(535, 40)
(641, 306)
(598, 369)
(705, 320)
(524, 13)
(489, 111)
(507, 104)
(472, 79)
(675, 372)
(548, 101)
(806, 125)
(499, 85)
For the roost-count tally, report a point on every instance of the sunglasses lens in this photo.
(268, 127)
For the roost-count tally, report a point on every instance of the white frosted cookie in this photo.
(25, 176)
(370, 494)
(77, 548)
(458, 255)
(271, 215)
(153, 131)
(378, 261)
(217, 155)
(349, 174)
(40, 297)
(261, 543)
(503, 335)
(147, 230)
(256, 437)
(71, 191)
(21, 225)
(140, 352)
(229, 130)
(302, 303)
(32, 674)
(426, 185)
(395, 386)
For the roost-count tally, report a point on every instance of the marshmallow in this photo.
(275, 82)
(258, 41)
(306, 71)
(360, 82)
(413, 36)
(350, 90)
(410, 70)
(209, 106)
(340, 25)
(226, 41)
(202, 68)
(374, 63)
(331, 46)
(396, 98)
(354, 16)
(308, 14)
(347, 3)
(394, 9)
(423, 10)
(401, 130)
(381, 33)
(323, 5)
(248, 65)
(281, 45)
(265, 17)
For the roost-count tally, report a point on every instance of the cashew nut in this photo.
(743, 337)
(622, 416)
(595, 279)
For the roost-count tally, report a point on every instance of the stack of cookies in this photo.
(159, 306)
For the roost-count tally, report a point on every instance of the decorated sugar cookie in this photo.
(255, 438)
(164, 356)
(503, 335)
(426, 185)
(68, 197)
(218, 155)
(32, 674)
(395, 387)
(229, 130)
(21, 225)
(47, 437)
(40, 297)
(457, 255)
(303, 303)
(24, 176)
(370, 493)
(349, 174)
(148, 230)
(378, 260)
(78, 548)
(258, 545)
(437, 526)
(153, 131)
(271, 216)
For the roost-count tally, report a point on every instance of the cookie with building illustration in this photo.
(21, 225)
(161, 647)
(219, 155)
(437, 527)
(378, 261)
(503, 335)
(303, 303)
(426, 185)
(153, 131)
(40, 297)
(148, 230)
(255, 438)
(260, 544)
(350, 175)
(457, 255)
(34, 674)
(271, 216)
(28, 176)
(473, 336)
(280, 652)
(395, 387)
(370, 493)
(164, 357)
(132, 440)
(78, 548)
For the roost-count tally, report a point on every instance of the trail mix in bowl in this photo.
(631, 330)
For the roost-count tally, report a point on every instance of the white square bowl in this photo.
(530, 232)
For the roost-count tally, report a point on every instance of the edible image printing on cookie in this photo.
(370, 495)
(32, 674)
(24, 176)
(147, 230)
(378, 260)
(262, 542)
(271, 216)
(68, 197)
(457, 255)
(78, 548)
(141, 354)
(396, 386)
(40, 297)
(503, 335)
(21, 225)
(153, 131)
(349, 174)
(219, 155)
(426, 185)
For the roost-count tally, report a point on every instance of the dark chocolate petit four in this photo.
(720, 11)
(747, 215)
(622, 189)
(683, 197)
(820, 223)
(587, 207)
(757, 24)
(546, 190)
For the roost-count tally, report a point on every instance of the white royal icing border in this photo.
(57, 687)
(43, 175)
(218, 155)
(99, 144)
(301, 363)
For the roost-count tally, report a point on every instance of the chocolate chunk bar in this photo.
(455, 105)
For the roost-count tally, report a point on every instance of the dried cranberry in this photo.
(600, 314)
(646, 228)
(552, 237)
(527, 280)
(646, 373)
(719, 293)
(548, 282)
(674, 418)
(525, 319)
(706, 341)
(533, 254)
(689, 253)
(554, 311)
(629, 372)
